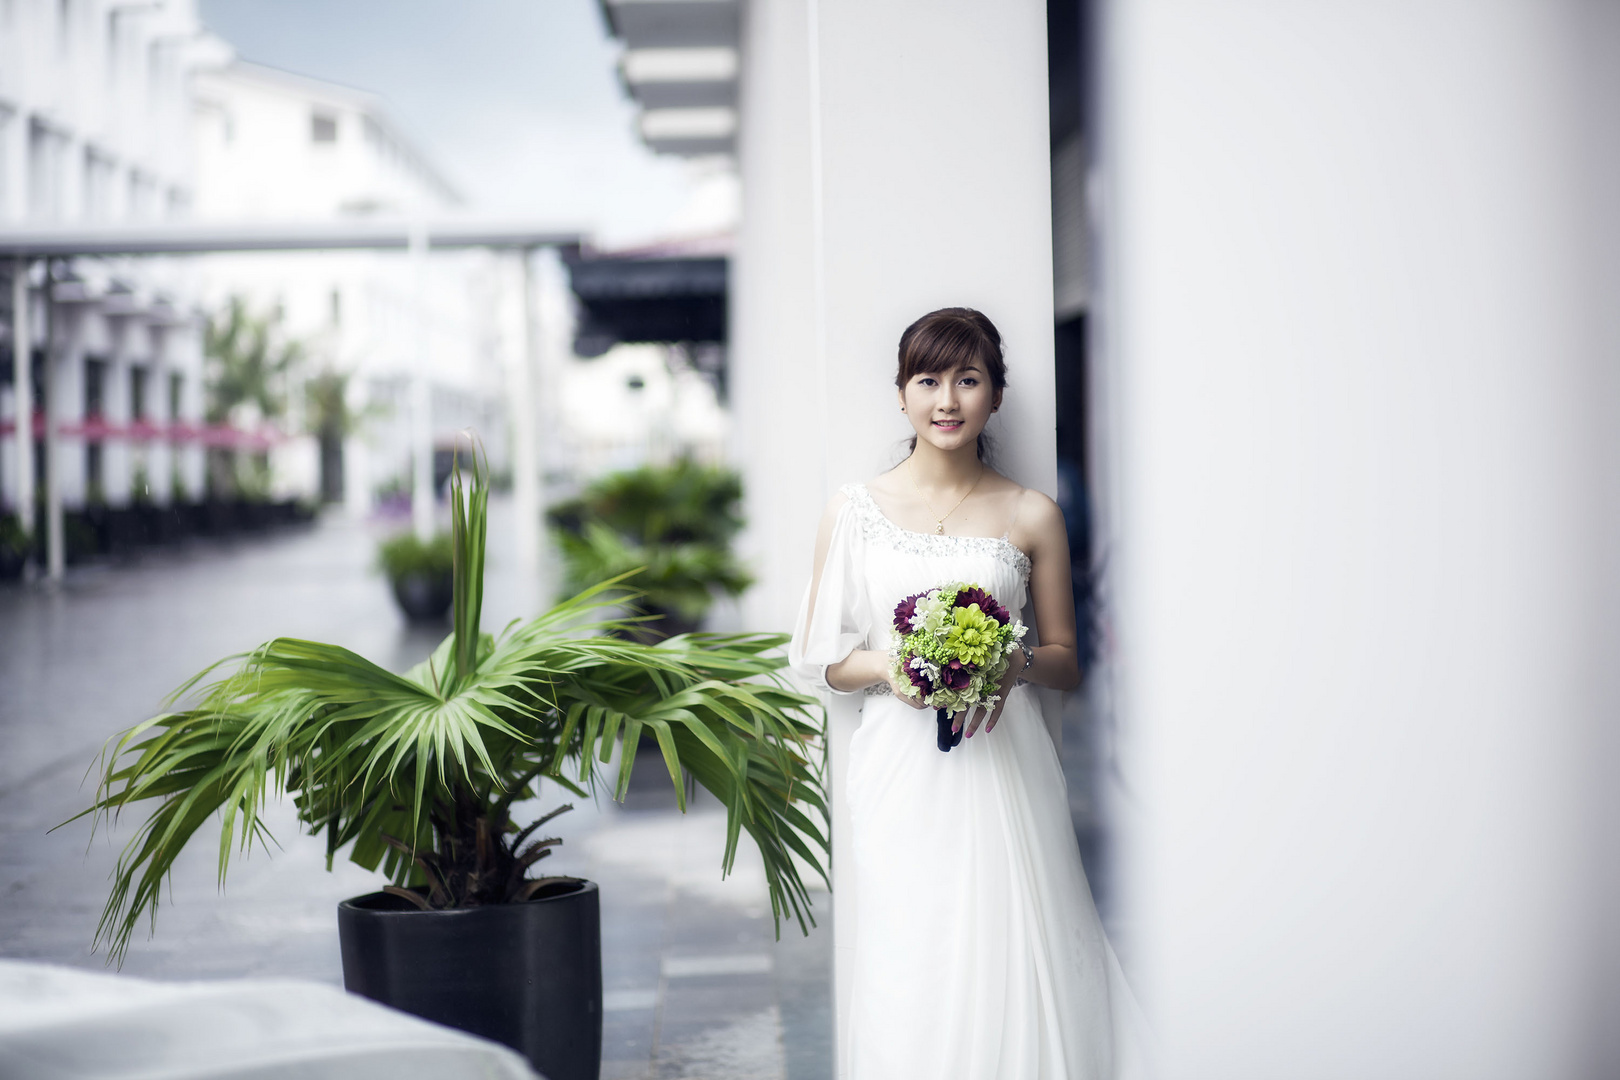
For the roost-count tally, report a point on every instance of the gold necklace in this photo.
(939, 519)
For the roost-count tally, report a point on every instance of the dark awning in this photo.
(648, 299)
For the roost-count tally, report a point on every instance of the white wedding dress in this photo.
(978, 952)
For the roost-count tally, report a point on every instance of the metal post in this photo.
(22, 354)
(422, 518)
(525, 440)
(55, 545)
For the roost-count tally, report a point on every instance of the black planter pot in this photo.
(424, 597)
(527, 975)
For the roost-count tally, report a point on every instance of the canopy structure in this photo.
(202, 237)
(27, 245)
(637, 299)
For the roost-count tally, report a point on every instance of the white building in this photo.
(270, 145)
(94, 115)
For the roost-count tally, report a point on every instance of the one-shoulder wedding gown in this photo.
(978, 952)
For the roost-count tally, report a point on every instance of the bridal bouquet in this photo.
(952, 645)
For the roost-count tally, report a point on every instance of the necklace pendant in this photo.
(939, 528)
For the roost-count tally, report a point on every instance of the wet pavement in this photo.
(695, 983)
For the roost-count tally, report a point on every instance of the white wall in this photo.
(892, 164)
(1345, 317)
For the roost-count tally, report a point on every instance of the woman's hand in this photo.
(906, 693)
(977, 715)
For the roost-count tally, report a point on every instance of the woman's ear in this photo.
(995, 402)
(900, 392)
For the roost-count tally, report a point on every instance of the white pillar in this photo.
(55, 542)
(422, 517)
(22, 352)
(1345, 301)
(893, 163)
(525, 444)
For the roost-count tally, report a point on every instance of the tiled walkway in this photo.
(696, 985)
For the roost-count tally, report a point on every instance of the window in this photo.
(337, 307)
(94, 492)
(97, 187)
(95, 379)
(137, 394)
(177, 385)
(44, 172)
(322, 127)
(6, 119)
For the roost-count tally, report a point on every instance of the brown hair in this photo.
(946, 339)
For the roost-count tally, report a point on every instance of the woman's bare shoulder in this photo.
(1038, 521)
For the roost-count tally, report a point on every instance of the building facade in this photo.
(271, 145)
(94, 123)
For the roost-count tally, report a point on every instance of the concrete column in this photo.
(22, 351)
(1364, 530)
(422, 517)
(525, 450)
(893, 163)
(55, 542)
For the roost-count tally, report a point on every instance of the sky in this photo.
(516, 101)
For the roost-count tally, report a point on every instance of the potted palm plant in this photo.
(419, 775)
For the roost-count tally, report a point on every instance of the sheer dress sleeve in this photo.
(839, 624)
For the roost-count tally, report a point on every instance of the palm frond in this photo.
(414, 774)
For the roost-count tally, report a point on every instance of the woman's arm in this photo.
(1042, 536)
(862, 667)
(1051, 589)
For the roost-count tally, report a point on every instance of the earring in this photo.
(902, 408)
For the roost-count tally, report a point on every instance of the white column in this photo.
(525, 445)
(1345, 300)
(55, 542)
(22, 352)
(894, 162)
(422, 517)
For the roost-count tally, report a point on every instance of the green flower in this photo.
(972, 634)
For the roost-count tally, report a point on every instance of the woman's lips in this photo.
(948, 425)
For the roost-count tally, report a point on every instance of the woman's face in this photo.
(950, 408)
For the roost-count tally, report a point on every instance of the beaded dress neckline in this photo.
(876, 524)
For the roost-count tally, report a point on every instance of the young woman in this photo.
(978, 953)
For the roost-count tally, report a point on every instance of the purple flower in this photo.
(957, 675)
(920, 681)
(904, 610)
(987, 604)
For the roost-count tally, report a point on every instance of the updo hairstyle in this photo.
(946, 339)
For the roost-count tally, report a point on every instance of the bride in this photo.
(978, 955)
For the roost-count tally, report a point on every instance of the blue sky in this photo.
(516, 100)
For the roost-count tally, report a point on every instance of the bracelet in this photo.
(1029, 655)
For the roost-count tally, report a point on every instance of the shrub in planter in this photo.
(420, 573)
(15, 544)
(418, 775)
(672, 523)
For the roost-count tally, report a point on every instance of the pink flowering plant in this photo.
(952, 645)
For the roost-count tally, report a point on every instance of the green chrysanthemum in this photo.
(972, 634)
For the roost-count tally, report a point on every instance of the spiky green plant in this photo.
(675, 522)
(418, 773)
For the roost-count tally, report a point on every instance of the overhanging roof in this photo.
(198, 237)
